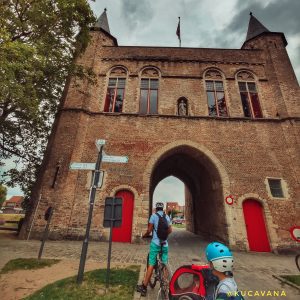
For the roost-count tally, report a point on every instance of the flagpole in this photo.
(179, 34)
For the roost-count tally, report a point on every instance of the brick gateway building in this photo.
(224, 121)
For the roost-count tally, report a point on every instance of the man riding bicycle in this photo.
(156, 244)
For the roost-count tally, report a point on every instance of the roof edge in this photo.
(268, 33)
(105, 32)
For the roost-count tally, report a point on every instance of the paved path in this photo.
(253, 271)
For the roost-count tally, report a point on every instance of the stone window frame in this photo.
(145, 74)
(252, 78)
(116, 72)
(284, 188)
(217, 76)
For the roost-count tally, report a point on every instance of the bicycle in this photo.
(162, 274)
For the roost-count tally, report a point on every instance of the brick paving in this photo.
(253, 271)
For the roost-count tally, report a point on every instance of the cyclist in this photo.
(155, 246)
(221, 262)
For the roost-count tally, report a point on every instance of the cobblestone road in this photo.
(253, 271)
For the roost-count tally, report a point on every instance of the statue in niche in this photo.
(182, 108)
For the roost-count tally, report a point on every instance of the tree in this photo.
(39, 40)
(3, 193)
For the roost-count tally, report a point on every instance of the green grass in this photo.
(179, 225)
(28, 264)
(11, 217)
(293, 278)
(122, 286)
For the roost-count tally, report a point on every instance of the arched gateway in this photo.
(205, 182)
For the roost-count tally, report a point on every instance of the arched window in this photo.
(149, 91)
(115, 90)
(249, 95)
(182, 107)
(215, 94)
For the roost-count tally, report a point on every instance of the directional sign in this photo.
(82, 166)
(99, 143)
(115, 159)
(100, 180)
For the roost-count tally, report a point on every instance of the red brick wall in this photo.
(248, 150)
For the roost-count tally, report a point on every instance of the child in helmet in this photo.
(221, 262)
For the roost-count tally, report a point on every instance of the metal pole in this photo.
(45, 236)
(89, 221)
(110, 242)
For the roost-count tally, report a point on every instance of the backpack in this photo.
(162, 227)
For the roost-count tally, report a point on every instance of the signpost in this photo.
(115, 159)
(112, 218)
(96, 182)
(82, 166)
(89, 221)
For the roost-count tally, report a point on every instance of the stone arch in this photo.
(213, 73)
(270, 226)
(214, 184)
(245, 75)
(118, 71)
(150, 72)
(124, 187)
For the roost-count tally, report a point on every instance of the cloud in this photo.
(275, 15)
(278, 16)
(169, 189)
(137, 13)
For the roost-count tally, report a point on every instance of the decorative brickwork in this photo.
(214, 156)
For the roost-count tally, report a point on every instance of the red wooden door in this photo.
(256, 227)
(123, 233)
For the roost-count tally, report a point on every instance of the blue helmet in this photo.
(220, 256)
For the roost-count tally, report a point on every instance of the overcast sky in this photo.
(204, 24)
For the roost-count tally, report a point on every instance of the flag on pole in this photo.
(178, 32)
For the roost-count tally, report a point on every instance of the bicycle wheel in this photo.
(161, 295)
(153, 278)
(165, 281)
(297, 260)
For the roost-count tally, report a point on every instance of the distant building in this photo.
(13, 204)
(174, 206)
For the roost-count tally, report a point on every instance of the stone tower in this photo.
(224, 121)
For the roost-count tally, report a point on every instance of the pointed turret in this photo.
(255, 28)
(102, 25)
(102, 22)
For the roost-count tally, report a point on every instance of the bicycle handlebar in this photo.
(147, 237)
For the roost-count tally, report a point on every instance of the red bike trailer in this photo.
(192, 282)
